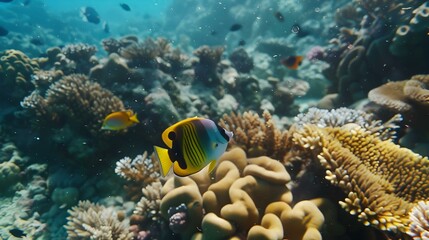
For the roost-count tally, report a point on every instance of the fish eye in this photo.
(171, 135)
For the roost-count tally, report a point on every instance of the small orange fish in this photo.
(120, 120)
(292, 62)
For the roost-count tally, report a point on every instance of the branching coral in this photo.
(15, 75)
(383, 181)
(93, 221)
(246, 198)
(82, 56)
(143, 170)
(255, 136)
(75, 100)
(149, 204)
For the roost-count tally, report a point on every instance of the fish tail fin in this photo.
(134, 118)
(164, 160)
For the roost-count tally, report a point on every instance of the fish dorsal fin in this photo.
(172, 128)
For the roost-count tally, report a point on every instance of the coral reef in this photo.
(81, 55)
(93, 221)
(16, 69)
(235, 203)
(76, 101)
(369, 48)
(375, 174)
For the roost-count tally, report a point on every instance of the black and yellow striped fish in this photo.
(192, 144)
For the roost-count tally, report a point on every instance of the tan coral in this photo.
(256, 137)
(402, 96)
(93, 221)
(235, 199)
(143, 170)
(383, 181)
(77, 100)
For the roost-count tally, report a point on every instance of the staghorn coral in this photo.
(74, 100)
(419, 217)
(235, 204)
(382, 181)
(256, 137)
(15, 75)
(93, 221)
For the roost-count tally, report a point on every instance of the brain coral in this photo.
(246, 197)
(383, 181)
(15, 74)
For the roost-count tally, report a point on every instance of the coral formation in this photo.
(375, 174)
(93, 221)
(142, 170)
(206, 68)
(247, 197)
(373, 46)
(76, 101)
(403, 96)
(241, 60)
(16, 69)
(256, 137)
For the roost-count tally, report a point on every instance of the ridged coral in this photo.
(246, 197)
(93, 221)
(403, 96)
(256, 137)
(76, 100)
(16, 69)
(383, 181)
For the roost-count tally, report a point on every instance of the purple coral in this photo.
(316, 53)
(178, 218)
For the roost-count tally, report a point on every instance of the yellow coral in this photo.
(383, 181)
